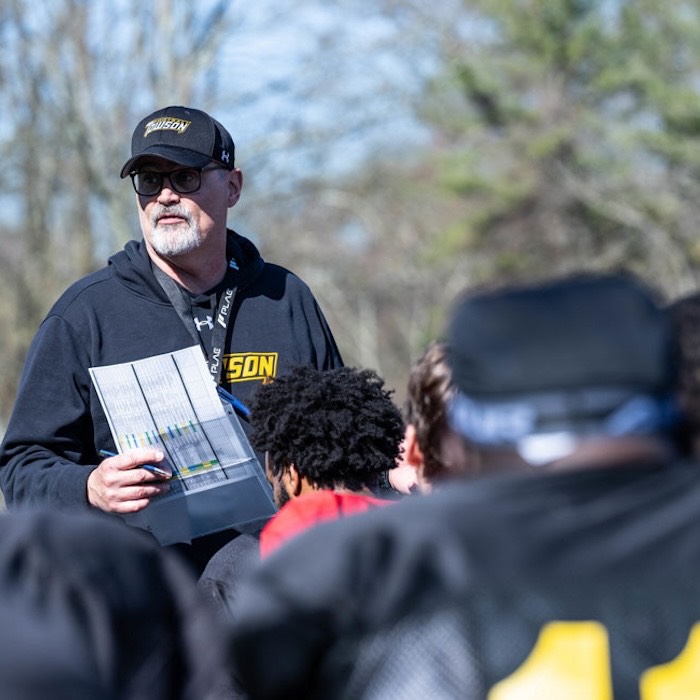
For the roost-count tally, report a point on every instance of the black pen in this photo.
(148, 467)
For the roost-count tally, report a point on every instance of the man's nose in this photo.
(167, 193)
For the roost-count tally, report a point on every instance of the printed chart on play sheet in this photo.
(170, 401)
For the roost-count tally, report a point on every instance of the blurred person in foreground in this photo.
(91, 609)
(328, 439)
(565, 570)
(189, 280)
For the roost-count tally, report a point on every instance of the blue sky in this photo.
(325, 70)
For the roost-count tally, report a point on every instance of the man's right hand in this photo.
(117, 485)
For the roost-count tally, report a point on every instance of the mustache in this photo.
(162, 211)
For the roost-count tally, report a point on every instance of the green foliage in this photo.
(578, 142)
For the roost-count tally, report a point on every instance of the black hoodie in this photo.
(121, 314)
(91, 609)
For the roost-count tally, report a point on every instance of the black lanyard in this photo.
(179, 299)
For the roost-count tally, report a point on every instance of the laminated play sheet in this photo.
(170, 401)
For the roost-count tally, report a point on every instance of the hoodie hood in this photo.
(134, 269)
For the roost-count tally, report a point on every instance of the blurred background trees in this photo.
(394, 151)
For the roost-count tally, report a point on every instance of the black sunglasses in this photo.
(149, 183)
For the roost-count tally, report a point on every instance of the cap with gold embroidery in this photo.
(184, 135)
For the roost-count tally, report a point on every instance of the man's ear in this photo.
(235, 185)
(412, 453)
(294, 481)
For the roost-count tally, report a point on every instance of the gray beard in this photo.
(171, 240)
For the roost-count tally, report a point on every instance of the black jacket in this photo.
(573, 580)
(91, 608)
(120, 314)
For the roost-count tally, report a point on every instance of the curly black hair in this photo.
(338, 427)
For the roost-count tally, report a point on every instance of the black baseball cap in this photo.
(586, 353)
(184, 135)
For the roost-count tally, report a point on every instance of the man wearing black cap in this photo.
(564, 374)
(189, 281)
(565, 570)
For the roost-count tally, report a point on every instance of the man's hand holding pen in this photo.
(125, 483)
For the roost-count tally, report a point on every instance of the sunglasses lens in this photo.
(184, 181)
(147, 184)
